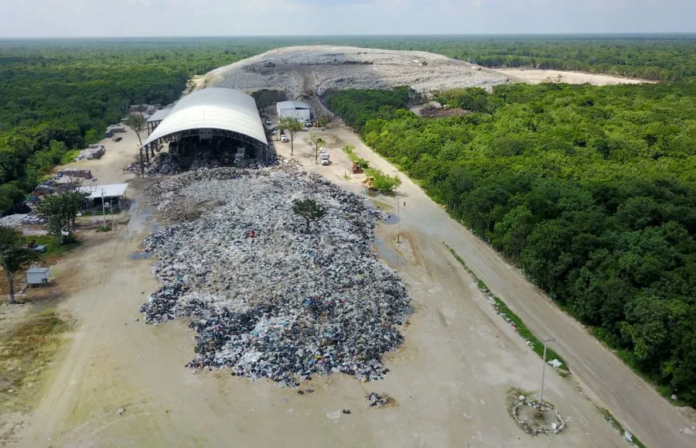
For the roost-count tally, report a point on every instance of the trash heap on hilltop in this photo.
(266, 298)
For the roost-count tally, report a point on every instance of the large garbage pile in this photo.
(266, 298)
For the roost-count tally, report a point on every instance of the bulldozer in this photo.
(357, 169)
(369, 183)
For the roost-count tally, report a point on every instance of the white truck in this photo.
(324, 156)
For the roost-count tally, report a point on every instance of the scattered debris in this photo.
(334, 415)
(532, 417)
(283, 304)
(555, 363)
(121, 411)
(346, 411)
(377, 401)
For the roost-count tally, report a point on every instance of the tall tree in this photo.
(60, 211)
(309, 210)
(137, 123)
(13, 255)
(292, 127)
(315, 142)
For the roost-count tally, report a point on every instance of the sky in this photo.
(137, 18)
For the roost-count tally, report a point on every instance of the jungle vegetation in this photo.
(59, 95)
(591, 191)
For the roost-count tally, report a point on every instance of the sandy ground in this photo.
(449, 380)
(557, 76)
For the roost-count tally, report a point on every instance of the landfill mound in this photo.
(303, 72)
(266, 298)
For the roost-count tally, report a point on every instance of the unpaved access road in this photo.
(534, 76)
(600, 373)
(123, 383)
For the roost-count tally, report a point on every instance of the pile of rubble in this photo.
(21, 220)
(164, 164)
(205, 160)
(266, 298)
(379, 400)
(319, 68)
(92, 152)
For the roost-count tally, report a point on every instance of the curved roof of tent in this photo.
(213, 108)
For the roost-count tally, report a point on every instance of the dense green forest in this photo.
(659, 58)
(591, 191)
(61, 94)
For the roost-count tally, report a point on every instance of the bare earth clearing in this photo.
(558, 76)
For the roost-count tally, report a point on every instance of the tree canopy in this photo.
(591, 191)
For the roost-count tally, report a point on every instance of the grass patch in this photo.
(503, 310)
(69, 157)
(616, 425)
(362, 163)
(383, 182)
(24, 352)
(53, 246)
(108, 212)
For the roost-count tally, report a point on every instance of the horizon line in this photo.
(299, 36)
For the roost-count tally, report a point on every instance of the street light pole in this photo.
(543, 370)
(398, 218)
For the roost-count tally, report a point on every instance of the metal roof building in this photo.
(213, 109)
(294, 109)
(106, 191)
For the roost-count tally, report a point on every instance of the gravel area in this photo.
(266, 298)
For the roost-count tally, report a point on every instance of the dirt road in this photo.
(568, 77)
(601, 374)
(123, 383)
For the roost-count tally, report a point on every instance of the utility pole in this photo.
(543, 371)
(103, 207)
(398, 219)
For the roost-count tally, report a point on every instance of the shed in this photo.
(111, 194)
(294, 109)
(37, 276)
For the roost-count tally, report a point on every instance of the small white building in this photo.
(37, 276)
(294, 109)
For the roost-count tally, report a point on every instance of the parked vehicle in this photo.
(117, 139)
(284, 138)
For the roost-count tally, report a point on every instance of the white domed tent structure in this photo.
(218, 119)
